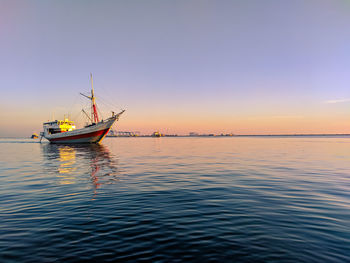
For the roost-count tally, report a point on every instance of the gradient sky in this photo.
(247, 67)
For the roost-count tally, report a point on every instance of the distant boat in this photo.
(64, 131)
(34, 136)
(157, 134)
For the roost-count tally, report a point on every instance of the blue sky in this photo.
(179, 66)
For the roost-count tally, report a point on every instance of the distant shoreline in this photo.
(290, 135)
(243, 135)
(217, 136)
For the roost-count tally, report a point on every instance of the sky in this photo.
(242, 67)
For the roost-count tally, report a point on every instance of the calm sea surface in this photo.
(244, 199)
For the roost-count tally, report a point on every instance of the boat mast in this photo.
(94, 115)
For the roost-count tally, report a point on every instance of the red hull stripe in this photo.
(103, 135)
(86, 135)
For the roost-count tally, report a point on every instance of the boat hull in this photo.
(90, 134)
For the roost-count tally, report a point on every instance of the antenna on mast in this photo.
(92, 86)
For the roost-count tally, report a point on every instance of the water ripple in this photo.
(176, 199)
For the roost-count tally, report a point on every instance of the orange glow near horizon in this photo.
(21, 122)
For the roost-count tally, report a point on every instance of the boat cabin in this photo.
(59, 126)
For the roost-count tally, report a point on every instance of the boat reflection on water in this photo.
(71, 163)
(66, 160)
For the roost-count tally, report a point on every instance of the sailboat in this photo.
(64, 131)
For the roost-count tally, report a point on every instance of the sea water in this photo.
(226, 199)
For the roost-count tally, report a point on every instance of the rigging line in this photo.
(74, 103)
(104, 102)
(83, 119)
(107, 103)
(77, 115)
(105, 91)
(77, 119)
(103, 106)
(99, 112)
